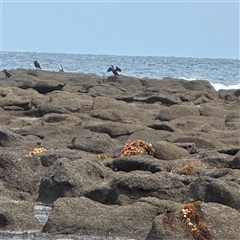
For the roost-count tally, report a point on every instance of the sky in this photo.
(201, 29)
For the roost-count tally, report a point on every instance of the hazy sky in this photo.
(145, 28)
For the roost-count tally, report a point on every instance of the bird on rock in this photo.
(37, 65)
(114, 70)
(60, 68)
(8, 74)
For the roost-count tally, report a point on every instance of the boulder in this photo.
(138, 162)
(17, 215)
(71, 178)
(176, 111)
(43, 86)
(235, 163)
(9, 138)
(17, 171)
(112, 221)
(214, 190)
(113, 129)
(219, 221)
(199, 85)
(95, 143)
(169, 151)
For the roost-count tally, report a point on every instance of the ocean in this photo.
(221, 73)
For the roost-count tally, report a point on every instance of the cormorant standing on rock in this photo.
(114, 70)
(37, 65)
(8, 74)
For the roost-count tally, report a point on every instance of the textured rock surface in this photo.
(61, 136)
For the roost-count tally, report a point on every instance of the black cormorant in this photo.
(37, 65)
(114, 70)
(8, 74)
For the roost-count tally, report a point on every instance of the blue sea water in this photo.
(222, 73)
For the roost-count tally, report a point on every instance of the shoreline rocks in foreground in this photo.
(61, 139)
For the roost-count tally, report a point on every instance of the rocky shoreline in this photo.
(118, 156)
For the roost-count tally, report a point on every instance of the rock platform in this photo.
(62, 137)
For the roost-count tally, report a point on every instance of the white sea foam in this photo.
(188, 79)
(219, 86)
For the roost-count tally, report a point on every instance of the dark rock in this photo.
(218, 173)
(237, 92)
(137, 184)
(70, 178)
(219, 219)
(9, 139)
(12, 167)
(199, 141)
(48, 159)
(214, 159)
(161, 126)
(55, 117)
(176, 111)
(214, 190)
(130, 83)
(141, 162)
(235, 163)
(199, 85)
(230, 151)
(17, 215)
(227, 95)
(190, 147)
(61, 145)
(112, 221)
(95, 143)
(43, 86)
(157, 98)
(3, 221)
(113, 129)
(184, 99)
(168, 151)
(166, 85)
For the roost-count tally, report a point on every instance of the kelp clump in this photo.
(192, 219)
(137, 147)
